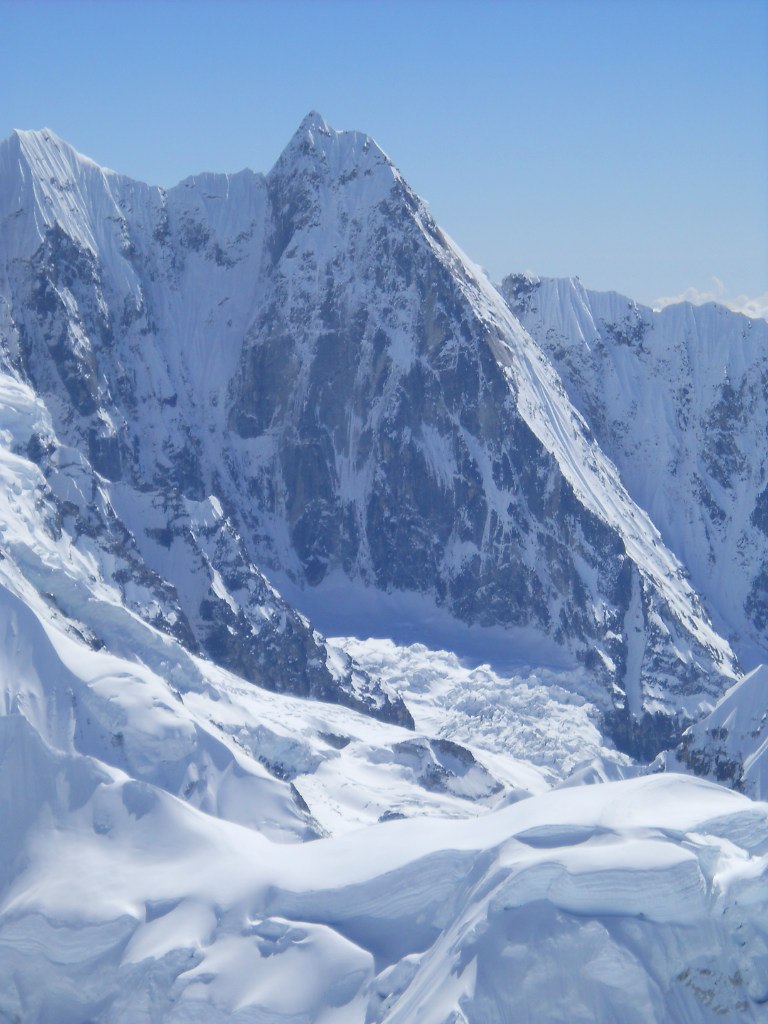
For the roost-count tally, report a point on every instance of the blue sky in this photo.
(623, 141)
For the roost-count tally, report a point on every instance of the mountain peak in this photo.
(46, 178)
(317, 144)
(315, 121)
(45, 151)
(314, 135)
(38, 136)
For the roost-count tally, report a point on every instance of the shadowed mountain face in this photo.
(301, 373)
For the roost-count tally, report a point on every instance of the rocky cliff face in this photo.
(300, 372)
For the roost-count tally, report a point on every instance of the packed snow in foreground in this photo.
(637, 901)
(153, 870)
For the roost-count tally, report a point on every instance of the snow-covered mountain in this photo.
(300, 372)
(251, 412)
(155, 538)
(678, 400)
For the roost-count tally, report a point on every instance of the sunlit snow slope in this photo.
(157, 862)
(731, 743)
(629, 902)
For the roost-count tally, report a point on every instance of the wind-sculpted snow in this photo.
(122, 903)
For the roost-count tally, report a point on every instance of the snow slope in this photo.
(156, 866)
(155, 863)
(231, 749)
(731, 743)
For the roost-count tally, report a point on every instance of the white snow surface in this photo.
(155, 868)
(124, 903)
(157, 862)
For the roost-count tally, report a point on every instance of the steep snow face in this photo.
(300, 372)
(65, 702)
(45, 184)
(677, 399)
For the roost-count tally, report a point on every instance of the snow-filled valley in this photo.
(358, 663)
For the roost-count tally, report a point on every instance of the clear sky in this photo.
(625, 141)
